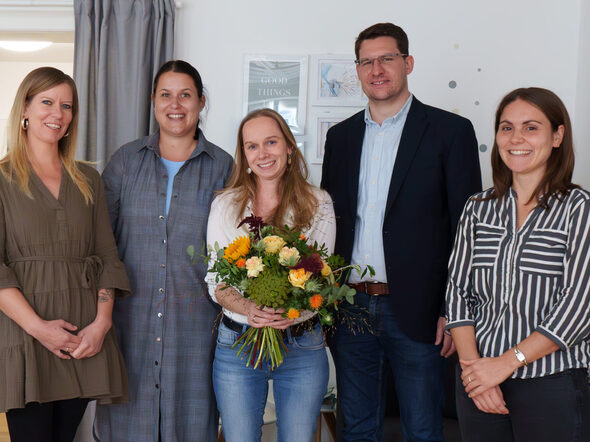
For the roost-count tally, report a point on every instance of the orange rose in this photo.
(241, 262)
(293, 313)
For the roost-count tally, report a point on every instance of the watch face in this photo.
(520, 356)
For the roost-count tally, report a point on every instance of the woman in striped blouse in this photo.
(518, 295)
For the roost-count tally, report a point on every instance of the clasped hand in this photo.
(267, 317)
(481, 379)
(57, 336)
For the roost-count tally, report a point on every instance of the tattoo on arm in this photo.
(106, 295)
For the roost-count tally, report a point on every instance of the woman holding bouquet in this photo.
(269, 181)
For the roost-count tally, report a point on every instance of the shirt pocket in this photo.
(486, 244)
(543, 253)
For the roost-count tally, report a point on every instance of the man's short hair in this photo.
(383, 30)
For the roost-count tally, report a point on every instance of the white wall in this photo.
(581, 118)
(514, 43)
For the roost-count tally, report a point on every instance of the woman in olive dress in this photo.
(59, 271)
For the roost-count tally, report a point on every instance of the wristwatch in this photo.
(520, 356)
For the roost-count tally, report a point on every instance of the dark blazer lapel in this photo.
(414, 128)
(354, 144)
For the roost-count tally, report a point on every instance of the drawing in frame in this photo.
(334, 81)
(322, 120)
(278, 82)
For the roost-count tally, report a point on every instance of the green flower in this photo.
(269, 289)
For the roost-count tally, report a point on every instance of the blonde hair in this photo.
(15, 165)
(296, 194)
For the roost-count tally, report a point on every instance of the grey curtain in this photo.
(119, 46)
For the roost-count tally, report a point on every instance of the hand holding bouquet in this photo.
(276, 268)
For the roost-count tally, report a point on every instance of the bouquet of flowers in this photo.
(276, 267)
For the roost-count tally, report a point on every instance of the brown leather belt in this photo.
(371, 288)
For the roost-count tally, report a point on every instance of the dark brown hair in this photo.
(296, 194)
(383, 30)
(560, 165)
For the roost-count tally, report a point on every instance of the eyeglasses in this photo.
(383, 60)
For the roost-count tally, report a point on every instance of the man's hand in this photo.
(448, 346)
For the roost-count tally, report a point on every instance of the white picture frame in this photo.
(334, 81)
(321, 121)
(278, 82)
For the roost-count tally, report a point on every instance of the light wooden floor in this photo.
(3, 429)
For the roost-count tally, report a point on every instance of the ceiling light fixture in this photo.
(24, 46)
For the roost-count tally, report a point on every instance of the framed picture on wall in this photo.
(300, 140)
(334, 81)
(322, 120)
(278, 82)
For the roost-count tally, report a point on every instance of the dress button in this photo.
(158, 339)
(161, 290)
(162, 266)
(156, 362)
(163, 241)
(157, 385)
(160, 315)
(161, 217)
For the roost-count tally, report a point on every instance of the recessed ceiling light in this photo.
(24, 46)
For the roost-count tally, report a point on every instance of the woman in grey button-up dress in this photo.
(165, 326)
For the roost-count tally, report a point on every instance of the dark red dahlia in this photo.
(312, 263)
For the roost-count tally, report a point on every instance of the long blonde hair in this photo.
(296, 194)
(15, 165)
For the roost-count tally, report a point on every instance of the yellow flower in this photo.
(288, 256)
(254, 266)
(293, 313)
(273, 243)
(238, 248)
(326, 269)
(298, 277)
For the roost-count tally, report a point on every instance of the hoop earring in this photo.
(66, 134)
(24, 123)
(248, 171)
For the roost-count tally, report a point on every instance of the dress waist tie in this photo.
(91, 272)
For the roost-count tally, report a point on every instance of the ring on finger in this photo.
(469, 379)
(67, 350)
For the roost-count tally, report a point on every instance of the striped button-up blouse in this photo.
(509, 282)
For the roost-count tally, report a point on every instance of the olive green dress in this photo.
(58, 253)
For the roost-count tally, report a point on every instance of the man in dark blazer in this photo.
(399, 174)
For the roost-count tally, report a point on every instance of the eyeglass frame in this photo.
(380, 59)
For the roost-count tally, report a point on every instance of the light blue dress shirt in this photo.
(172, 167)
(377, 160)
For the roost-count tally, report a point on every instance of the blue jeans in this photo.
(418, 371)
(299, 386)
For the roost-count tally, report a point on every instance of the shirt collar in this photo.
(152, 142)
(402, 114)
